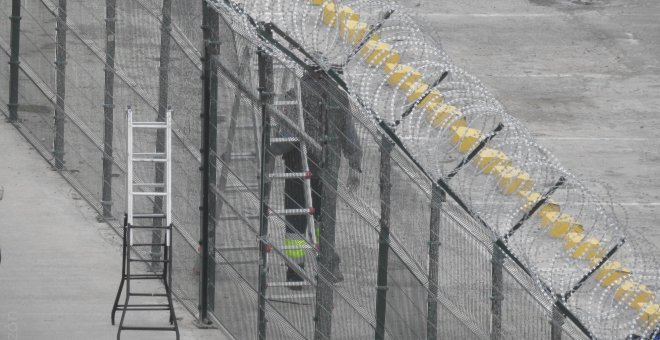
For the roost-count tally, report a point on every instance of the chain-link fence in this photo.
(371, 219)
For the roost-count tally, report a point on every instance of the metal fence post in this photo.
(438, 196)
(557, 323)
(266, 88)
(60, 66)
(163, 85)
(14, 59)
(209, 136)
(108, 108)
(384, 236)
(496, 293)
(328, 258)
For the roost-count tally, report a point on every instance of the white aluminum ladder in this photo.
(134, 264)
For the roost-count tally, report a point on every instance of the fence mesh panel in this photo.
(378, 263)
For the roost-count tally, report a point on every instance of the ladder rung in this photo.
(139, 309)
(289, 175)
(149, 125)
(292, 212)
(144, 260)
(290, 296)
(147, 193)
(148, 244)
(285, 103)
(289, 284)
(137, 328)
(149, 215)
(284, 140)
(156, 185)
(145, 276)
(143, 305)
(149, 294)
(302, 246)
(154, 160)
(152, 154)
(148, 227)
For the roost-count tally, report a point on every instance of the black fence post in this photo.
(328, 259)
(496, 293)
(266, 88)
(384, 236)
(60, 66)
(557, 323)
(163, 87)
(209, 137)
(108, 108)
(14, 62)
(438, 196)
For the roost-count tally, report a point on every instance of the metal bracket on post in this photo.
(425, 95)
(600, 263)
(475, 152)
(368, 36)
(384, 235)
(536, 207)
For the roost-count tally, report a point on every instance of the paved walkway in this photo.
(60, 267)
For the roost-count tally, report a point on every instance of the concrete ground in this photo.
(583, 75)
(60, 267)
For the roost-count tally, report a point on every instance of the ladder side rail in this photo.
(307, 182)
(168, 183)
(129, 175)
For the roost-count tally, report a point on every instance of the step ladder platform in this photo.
(145, 307)
(149, 294)
(146, 276)
(144, 328)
